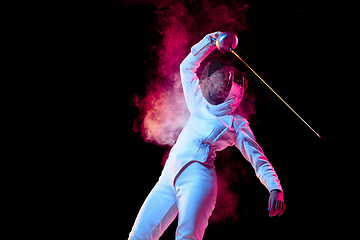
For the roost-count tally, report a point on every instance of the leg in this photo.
(196, 190)
(156, 213)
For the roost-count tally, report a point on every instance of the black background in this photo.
(95, 55)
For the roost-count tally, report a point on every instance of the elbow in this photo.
(189, 64)
(183, 66)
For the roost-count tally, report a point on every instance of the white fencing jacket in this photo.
(212, 128)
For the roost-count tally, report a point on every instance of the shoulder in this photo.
(239, 122)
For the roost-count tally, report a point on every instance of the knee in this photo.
(131, 236)
(139, 235)
(190, 232)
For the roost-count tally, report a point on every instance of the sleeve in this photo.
(188, 67)
(250, 149)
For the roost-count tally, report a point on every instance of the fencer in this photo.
(187, 186)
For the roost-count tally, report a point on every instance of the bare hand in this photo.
(276, 203)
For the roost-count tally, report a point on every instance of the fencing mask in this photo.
(219, 82)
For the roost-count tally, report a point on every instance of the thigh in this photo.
(196, 190)
(156, 213)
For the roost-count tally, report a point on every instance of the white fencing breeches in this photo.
(193, 197)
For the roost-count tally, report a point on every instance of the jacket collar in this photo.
(225, 108)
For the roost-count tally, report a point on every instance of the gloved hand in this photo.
(276, 203)
(213, 35)
(203, 48)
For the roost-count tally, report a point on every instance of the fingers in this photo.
(282, 209)
(214, 35)
(276, 204)
(217, 34)
(276, 207)
(272, 207)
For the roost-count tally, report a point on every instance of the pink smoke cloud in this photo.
(162, 110)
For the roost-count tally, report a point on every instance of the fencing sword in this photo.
(227, 42)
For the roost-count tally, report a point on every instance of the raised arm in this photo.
(190, 64)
